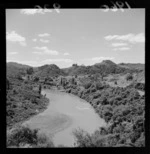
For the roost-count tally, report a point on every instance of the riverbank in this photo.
(23, 102)
(123, 108)
(65, 113)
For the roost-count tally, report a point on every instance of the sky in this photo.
(82, 36)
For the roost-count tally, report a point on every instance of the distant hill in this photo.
(76, 70)
(104, 67)
(13, 69)
(17, 65)
(106, 62)
(137, 66)
(49, 70)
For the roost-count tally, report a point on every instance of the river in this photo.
(65, 113)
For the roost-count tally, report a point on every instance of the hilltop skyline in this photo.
(75, 36)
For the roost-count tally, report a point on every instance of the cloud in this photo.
(66, 54)
(44, 41)
(45, 50)
(44, 35)
(101, 58)
(132, 38)
(110, 37)
(12, 53)
(41, 40)
(119, 44)
(34, 40)
(122, 48)
(138, 38)
(14, 37)
(59, 60)
(37, 52)
(35, 11)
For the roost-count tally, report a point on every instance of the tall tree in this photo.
(40, 88)
(30, 71)
(7, 84)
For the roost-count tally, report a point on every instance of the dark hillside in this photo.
(15, 69)
(105, 67)
(137, 66)
(22, 100)
(49, 70)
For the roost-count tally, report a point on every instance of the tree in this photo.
(36, 79)
(40, 88)
(18, 76)
(73, 81)
(129, 77)
(30, 71)
(7, 84)
(23, 136)
(75, 65)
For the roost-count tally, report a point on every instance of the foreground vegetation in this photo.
(24, 137)
(24, 100)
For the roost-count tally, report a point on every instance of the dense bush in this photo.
(30, 71)
(23, 136)
(129, 77)
(36, 79)
(99, 85)
(137, 85)
(22, 102)
(122, 108)
(87, 85)
(7, 84)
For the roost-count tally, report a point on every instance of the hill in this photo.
(18, 65)
(105, 67)
(137, 66)
(14, 69)
(49, 70)
(77, 70)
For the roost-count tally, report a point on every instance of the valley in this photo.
(114, 94)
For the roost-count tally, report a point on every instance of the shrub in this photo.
(93, 90)
(43, 142)
(99, 86)
(7, 84)
(87, 85)
(76, 76)
(30, 71)
(23, 136)
(129, 77)
(83, 139)
(14, 91)
(96, 95)
(36, 79)
(40, 88)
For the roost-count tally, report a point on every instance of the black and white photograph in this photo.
(75, 77)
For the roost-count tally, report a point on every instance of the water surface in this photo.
(65, 113)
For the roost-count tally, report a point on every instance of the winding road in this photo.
(65, 113)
